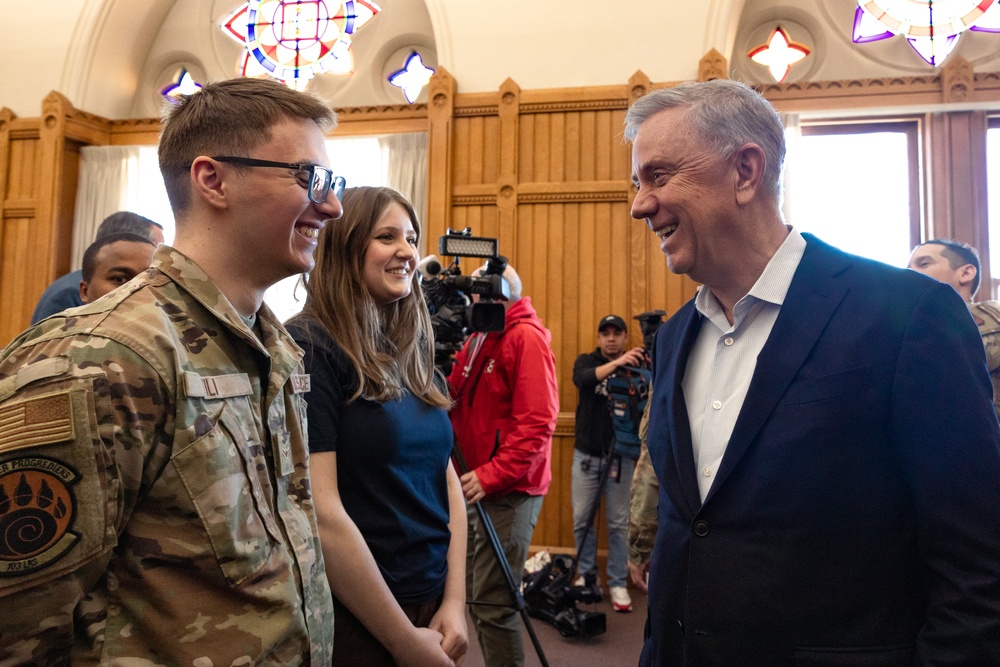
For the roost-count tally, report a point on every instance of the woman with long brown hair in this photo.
(389, 505)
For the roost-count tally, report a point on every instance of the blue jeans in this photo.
(616, 494)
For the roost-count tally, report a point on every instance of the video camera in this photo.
(551, 598)
(649, 322)
(448, 293)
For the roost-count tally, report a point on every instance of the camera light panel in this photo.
(468, 246)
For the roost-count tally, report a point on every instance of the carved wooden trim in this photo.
(474, 200)
(713, 65)
(638, 85)
(6, 118)
(385, 112)
(585, 105)
(440, 114)
(486, 110)
(511, 108)
(957, 80)
(18, 210)
(501, 194)
(849, 87)
(574, 197)
(956, 83)
(133, 124)
(132, 131)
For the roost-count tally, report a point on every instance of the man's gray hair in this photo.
(726, 114)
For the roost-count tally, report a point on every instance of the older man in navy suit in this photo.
(821, 425)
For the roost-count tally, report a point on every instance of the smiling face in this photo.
(391, 257)
(685, 194)
(278, 224)
(116, 264)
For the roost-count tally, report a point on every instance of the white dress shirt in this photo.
(724, 357)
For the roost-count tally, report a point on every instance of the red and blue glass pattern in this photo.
(294, 40)
(932, 27)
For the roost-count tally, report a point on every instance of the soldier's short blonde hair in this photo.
(229, 117)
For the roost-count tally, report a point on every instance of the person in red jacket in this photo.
(506, 402)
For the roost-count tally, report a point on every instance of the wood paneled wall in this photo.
(546, 172)
(39, 165)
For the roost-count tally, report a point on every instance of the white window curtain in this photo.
(117, 178)
(793, 134)
(127, 178)
(398, 161)
(406, 157)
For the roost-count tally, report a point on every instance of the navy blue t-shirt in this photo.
(392, 461)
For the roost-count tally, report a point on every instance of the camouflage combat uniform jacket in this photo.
(987, 317)
(643, 502)
(147, 509)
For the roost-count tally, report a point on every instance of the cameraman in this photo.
(506, 403)
(594, 439)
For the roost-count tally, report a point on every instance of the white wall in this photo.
(106, 56)
(97, 52)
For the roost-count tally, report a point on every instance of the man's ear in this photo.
(966, 275)
(208, 182)
(83, 292)
(749, 162)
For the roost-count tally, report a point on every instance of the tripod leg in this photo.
(518, 602)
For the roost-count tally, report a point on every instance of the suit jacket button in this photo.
(701, 528)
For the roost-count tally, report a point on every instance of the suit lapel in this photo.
(682, 454)
(812, 298)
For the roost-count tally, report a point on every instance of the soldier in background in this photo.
(154, 496)
(64, 292)
(111, 261)
(642, 519)
(957, 264)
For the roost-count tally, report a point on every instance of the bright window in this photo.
(856, 187)
(361, 160)
(993, 203)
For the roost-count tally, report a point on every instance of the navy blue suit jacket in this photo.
(855, 517)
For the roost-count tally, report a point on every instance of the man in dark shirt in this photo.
(594, 437)
(64, 292)
(113, 260)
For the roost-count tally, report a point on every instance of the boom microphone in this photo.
(429, 267)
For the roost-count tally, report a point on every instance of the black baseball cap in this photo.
(612, 321)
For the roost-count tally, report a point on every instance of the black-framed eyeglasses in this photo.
(319, 183)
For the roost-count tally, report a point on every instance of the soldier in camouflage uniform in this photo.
(154, 494)
(987, 317)
(642, 519)
(958, 265)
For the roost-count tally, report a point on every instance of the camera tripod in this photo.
(518, 600)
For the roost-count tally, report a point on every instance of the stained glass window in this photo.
(183, 84)
(932, 27)
(294, 40)
(413, 77)
(779, 53)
